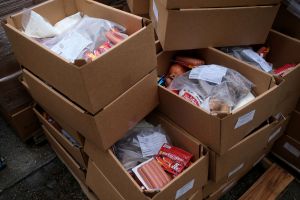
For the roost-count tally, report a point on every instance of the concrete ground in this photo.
(33, 172)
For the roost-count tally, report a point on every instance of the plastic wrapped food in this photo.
(142, 143)
(215, 88)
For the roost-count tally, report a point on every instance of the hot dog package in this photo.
(173, 159)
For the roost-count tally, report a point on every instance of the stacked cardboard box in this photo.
(138, 7)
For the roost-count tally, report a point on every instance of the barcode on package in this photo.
(245, 119)
(274, 134)
(155, 10)
(187, 187)
(292, 149)
(236, 170)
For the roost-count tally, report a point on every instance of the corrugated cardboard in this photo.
(197, 196)
(25, 123)
(67, 159)
(138, 7)
(218, 133)
(94, 85)
(287, 23)
(174, 4)
(205, 27)
(196, 174)
(284, 50)
(76, 152)
(294, 126)
(288, 150)
(111, 123)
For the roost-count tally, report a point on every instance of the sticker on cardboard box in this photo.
(245, 119)
(236, 170)
(155, 10)
(293, 150)
(151, 144)
(210, 73)
(187, 187)
(274, 134)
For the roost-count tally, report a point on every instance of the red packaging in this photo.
(173, 159)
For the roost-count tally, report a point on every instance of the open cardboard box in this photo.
(65, 156)
(219, 133)
(239, 157)
(107, 126)
(91, 85)
(175, 4)
(284, 50)
(181, 187)
(75, 151)
(193, 28)
(138, 7)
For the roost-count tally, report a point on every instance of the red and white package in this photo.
(173, 159)
(191, 96)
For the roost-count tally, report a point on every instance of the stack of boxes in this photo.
(98, 102)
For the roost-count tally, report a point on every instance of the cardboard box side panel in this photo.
(261, 109)
(185, 114)
(138, 7)
(254, 29)
(171, 4)
(197, 196)
(65, 156)
(74, 151)
(293, 128)
(164, 61)
(100, 185)
(278, 130)
(123, 72)
(59, 108)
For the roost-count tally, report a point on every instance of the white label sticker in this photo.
(236, 170)
(245, 119)
(185, 189)
(293, 150)
(155, 10)
(210, 73)
(274, 134)
(70, 47)
(151, 144)
(228, 187)
(258, 59)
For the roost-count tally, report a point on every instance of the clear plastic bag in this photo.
(129, 150)
(229, 88)
(85, 38)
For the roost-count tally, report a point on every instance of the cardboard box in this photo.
(288, 149)
(175, 4)
(181, 29)
(287, 23)
(65, 157)
(75, 151)
(218, 133)
(92, 85)
(182, 187)
(294, 126)
(110, 124)
(222, 190)
(239, 157)
(138, 7)
(197, 196)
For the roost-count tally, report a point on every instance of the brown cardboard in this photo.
(111, 123)
(287, 23)
(197, 196)
(239, 156)
(197, 173)
(218, 133)
(288, 149)
(94, 85)
(294, 126)
(173, 4)
(25, 123)
(105, 190)
(138, 7)
(76, 152)
(204, 27)
(67, 159)
(298, 107)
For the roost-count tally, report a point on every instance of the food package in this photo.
(152, 175)
(141, 143)
(215, 88)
